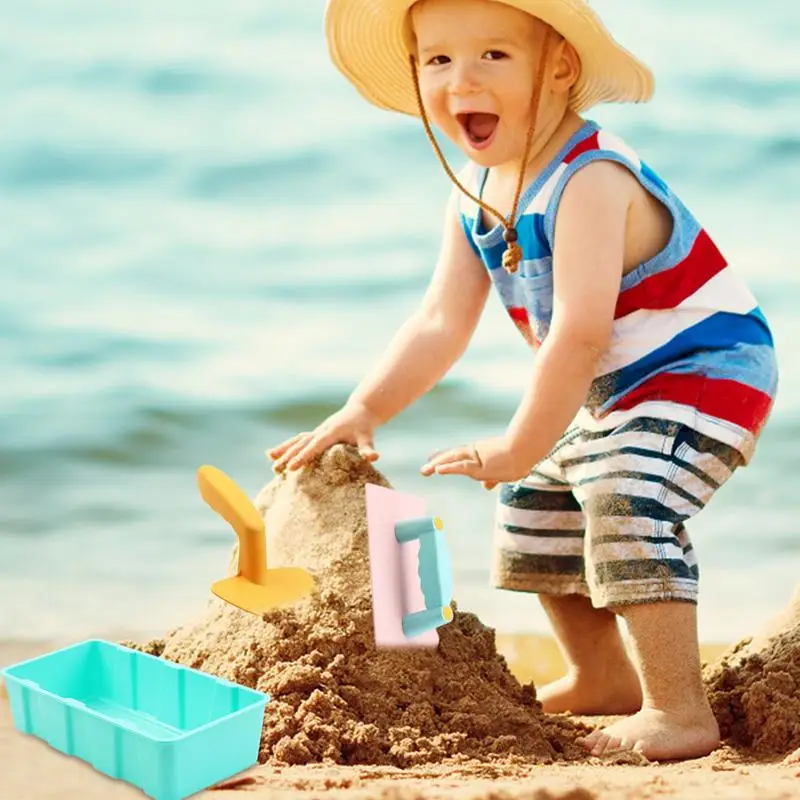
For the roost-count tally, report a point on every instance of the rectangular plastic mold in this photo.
(167, 729)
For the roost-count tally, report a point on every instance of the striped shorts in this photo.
(603, 515)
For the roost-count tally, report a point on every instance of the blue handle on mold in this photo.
(421, 621)
(435, 574)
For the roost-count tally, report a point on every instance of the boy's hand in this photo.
(490, 461)
(352, 424)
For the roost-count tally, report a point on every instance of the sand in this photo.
(347, 720)
(755, 688)
(335, 697)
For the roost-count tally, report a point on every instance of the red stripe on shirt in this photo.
(590, 143)
(523, 323)
(518, 314)
(724, 399)
(671, 287)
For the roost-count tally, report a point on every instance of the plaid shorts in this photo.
(603, 515)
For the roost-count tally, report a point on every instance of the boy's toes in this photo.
(600, 743)
(607, 744)
(591, 740)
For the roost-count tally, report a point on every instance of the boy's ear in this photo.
(566, 66)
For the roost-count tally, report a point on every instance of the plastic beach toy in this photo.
(410, 569)
(165, 728)
(255, 588)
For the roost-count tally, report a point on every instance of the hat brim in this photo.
(367, 40)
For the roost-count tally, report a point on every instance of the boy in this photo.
(654, 371)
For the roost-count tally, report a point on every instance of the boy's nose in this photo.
(463, 82)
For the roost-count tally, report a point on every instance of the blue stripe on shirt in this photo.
(722, 332)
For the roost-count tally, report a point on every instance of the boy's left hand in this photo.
(490, 461)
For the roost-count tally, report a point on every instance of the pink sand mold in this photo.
(410, 570)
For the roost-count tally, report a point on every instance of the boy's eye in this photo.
(437, 61)
(495, 55)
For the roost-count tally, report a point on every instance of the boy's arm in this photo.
(436, 334)
(587, 262)
(588, 255)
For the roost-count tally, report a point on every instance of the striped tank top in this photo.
(689, 342)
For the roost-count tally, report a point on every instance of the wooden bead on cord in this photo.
(513, 252)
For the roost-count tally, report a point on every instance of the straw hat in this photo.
(369, 42)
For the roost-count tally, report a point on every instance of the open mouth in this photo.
(479, 127)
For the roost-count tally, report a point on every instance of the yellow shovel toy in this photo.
(255, 588)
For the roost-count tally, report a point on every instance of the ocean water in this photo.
(207, 237)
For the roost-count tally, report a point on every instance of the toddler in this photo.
(654, 368)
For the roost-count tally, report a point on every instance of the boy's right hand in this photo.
(352, 424)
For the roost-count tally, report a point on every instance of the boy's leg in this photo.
(637, 485)
(538, 547)
(600, 677)
(676, 720)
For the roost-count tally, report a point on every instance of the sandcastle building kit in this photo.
(313, 673)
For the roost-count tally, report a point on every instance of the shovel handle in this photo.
(229, 501)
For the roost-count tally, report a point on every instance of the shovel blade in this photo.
(284, 586)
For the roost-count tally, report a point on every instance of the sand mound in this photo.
(754, 689)
(334, 696)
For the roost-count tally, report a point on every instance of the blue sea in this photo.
(207, 237)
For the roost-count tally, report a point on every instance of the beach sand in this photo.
(460, 721)
(31, 770)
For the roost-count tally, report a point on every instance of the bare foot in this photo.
(658, 735)
(614, 691)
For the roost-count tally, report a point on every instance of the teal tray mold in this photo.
(167, 729)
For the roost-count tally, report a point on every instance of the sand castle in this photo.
(335, 698)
